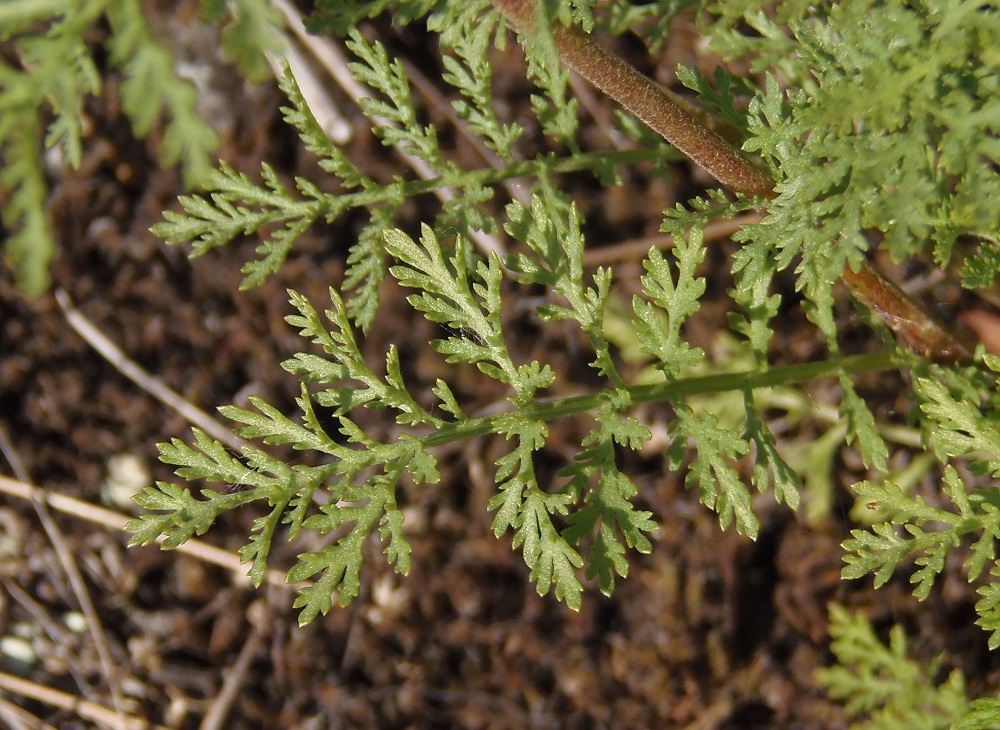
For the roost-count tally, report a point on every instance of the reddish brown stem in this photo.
(911, 323)
(653, 104)
(665, 115)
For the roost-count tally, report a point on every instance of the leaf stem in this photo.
(671, 391)
(22, 11)
(403, 189)
(525, 168)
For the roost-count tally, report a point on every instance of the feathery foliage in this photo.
(891, 690)
(961, 415)
(916, 165)
(51, 71)
(881, 135)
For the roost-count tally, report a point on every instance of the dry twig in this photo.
(82, 708)
(73, 574)
(638, 248)
(215, 718)
(115, 521)
(146, 381)
(20, 719)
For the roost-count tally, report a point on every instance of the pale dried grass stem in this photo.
(146, 381)
(115, 521)
(73, 575)
(70, 703)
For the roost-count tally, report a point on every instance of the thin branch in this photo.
(72, 571)
(19, 719)
(115, 521)
(911, 323)
(551, 410)
(215, 718)
(637, 248)
(39, 613)
(70, 703)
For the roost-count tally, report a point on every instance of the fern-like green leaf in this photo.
(393, 116)
(984, 714)
(962, 428)
(609, 510)
(186, 518)
(469, 71)
(988, 607)
(30, 246)
(881, 550)
(552, 560)
(884, 683)
(770, 469)
(555, 109)
(515, 475)
(449, 296)
(658, 322)
(712, 471)
(723, 96)
(861, 427)
(252, 32)
(151, 91)
(256, 551)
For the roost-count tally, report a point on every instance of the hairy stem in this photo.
(911, 323)
(649, 101)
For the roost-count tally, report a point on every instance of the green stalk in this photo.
(494, 175)
(332, 205)
(25, 11)
(672, 391)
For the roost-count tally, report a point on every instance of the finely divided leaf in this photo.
(988, 607)
(552, 560)
(885, 685)
(722, 96)
(658, 322)
(770, 468)
(524, 507)
(961, 426)
(861, 427)
(720, 486)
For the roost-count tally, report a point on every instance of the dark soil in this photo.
(709, 631)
